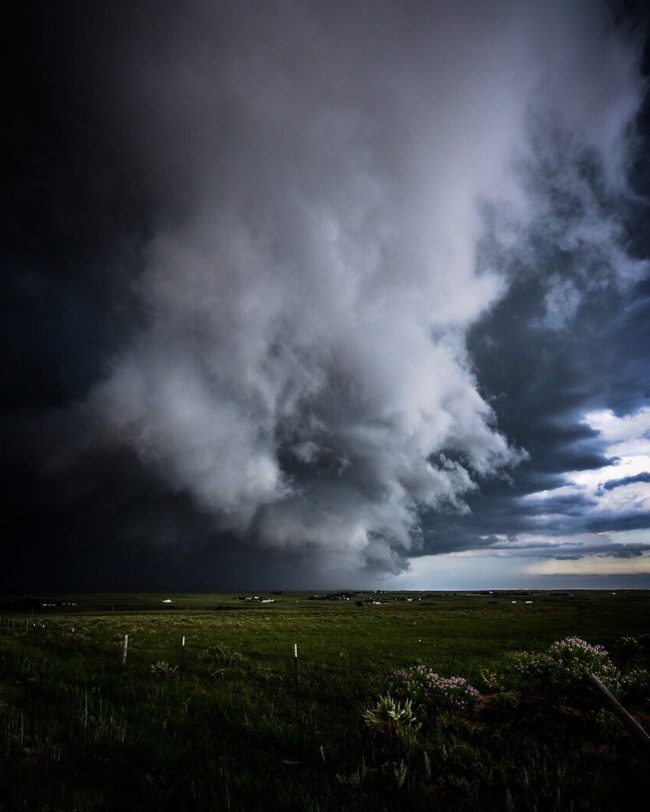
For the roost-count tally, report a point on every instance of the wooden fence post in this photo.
(295, 672)
(626, 717)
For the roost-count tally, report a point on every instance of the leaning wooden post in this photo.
(125, 649)
(618, 709)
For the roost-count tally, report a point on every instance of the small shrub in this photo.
(566, 663)
(604, 722)
(427, 688)
(628, 648)
(533, 666)
(221, 656)
(504, 705)
(490, 680)
(393, 719)
(162, 670)
(635, 684)
(400, 771)
(356, 778)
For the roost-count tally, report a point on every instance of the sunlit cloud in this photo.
(622, 486)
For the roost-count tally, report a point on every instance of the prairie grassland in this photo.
(230, 721)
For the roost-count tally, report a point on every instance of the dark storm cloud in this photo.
(572, 550)
(542, 383)
(74, 208)
(304, 276)
(627, 480)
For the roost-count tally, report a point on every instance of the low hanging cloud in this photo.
(342, 191)
(626, 480)
(619, 488)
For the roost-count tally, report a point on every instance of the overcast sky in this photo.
(306, 294)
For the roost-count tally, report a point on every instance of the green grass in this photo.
(80, 732)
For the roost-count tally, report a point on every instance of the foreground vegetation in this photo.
(396, 701)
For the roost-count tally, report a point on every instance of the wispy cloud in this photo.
(592, 565)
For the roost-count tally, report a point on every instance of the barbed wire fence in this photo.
(184, 658)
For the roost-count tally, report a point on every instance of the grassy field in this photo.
(231, 720)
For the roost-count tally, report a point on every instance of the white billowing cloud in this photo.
(618, 431)
(302, 373)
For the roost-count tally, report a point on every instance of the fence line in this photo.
(136, 655)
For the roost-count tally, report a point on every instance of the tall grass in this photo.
(79, 732)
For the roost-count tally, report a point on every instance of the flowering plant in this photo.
(636, 684)
(426, 687)
(567, 662)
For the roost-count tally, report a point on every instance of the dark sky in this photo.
(301, 294)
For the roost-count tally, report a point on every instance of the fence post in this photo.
(125, 649)
(295, 672)
(182, 659)
(624, 715)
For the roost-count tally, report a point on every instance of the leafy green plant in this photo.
(400, 772)
(392, 718)
(355, 778)
(490, 680)
(220, 657)
(162, 670)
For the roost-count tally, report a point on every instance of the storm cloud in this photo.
(330, 256)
